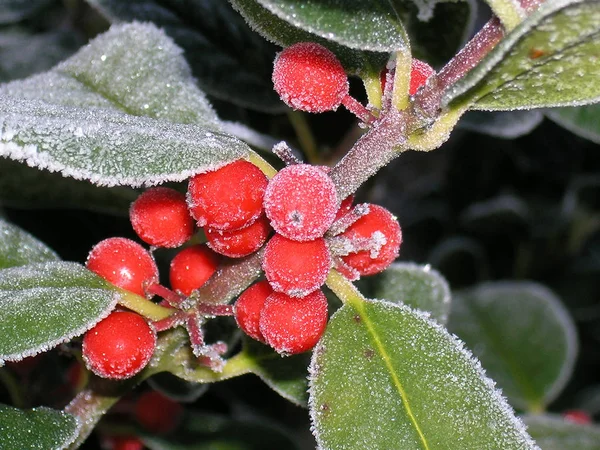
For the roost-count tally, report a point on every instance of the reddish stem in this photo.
(170, 322)
(210, 309)
(172, 298)
(358, 109)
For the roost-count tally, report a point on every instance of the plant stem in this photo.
(372, 84)
(400, 99)
(237, 365)
(371, 152)
(143, 306)
(344, 289)
(263, 165)
(509, 12)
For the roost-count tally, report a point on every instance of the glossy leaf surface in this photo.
(19, 248)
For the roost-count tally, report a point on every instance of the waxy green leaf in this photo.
(550, 59)
(584, 121)
(229, 60)
(36, 429)
(43, 305)
(384, 376)
(419, 287)
(19, 248)
(554, 433)
(85, 118)
(523, 335)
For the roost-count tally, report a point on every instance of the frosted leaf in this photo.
(419, 287)
(19, 248)
(385, 376)
(584, 121)
(552, 432)
(38, 428)
(43, 305)
(502, 124)
(524, 336)
(236, 69)
(550, 59)
(84, 117)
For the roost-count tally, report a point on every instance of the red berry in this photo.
(157, 413)
(228, 198)
(577, 416)
(239, 243)
(248, 307)
(160, 217)
(301, 202)
(122, 443)
(191, 268)
(124, 263)
(293, 325)
(380, 226)
(345, 207)
(296, 268)
(309, 77)
(419, 73)
(119, 346)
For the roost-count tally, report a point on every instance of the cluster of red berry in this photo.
(238, 208)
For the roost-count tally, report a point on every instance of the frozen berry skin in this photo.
(301, 202)
(248, 307)
(419, 73)
(309, 77)
(296, 268)
(124, 263)
(293, 325)
(577, 416)
(191, 268)
(228, 198)
(160, 217)
(157, 413)
(119, 346)
(380, 225)
(239, 243)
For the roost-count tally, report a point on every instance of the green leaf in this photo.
(22, 186)
(505, 214)
(230, 61)
(84, 118)
(523, 336)
(17, 10)
(555, 433)
(36, 429)
(548, 60)
(19, 248)
(283, 33)
(384, 376)
(502, 124)
(370, 25)
(419, 287)
(43, 305)
(584, 121)
(215, 432)
(286, 376)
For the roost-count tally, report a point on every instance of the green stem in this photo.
(13, 388)
(400, 99)
(305, 136)
(263, 165)
(344, 289)
(235, 366)
(509, 12)
(372, 84)
(143, 306)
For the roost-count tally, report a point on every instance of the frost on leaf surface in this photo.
(38, 428)
(524, 336)
(19, 248)
(385, 376)
(124, 110)
(43, 305)
(550, 59)
(419, 287)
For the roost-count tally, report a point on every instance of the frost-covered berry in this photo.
(191, 268)
(301, 202)
(228, 198)
(124, 263)
(119, 346)
(160, 217)
(309, 77)
(157, 412)
(239, 243)
(296, 268)
(382, 231)
(248, 307)
(419, 73)
(293, 325)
